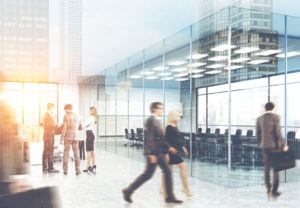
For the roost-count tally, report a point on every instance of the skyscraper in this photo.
(71, 39)
(24, 40)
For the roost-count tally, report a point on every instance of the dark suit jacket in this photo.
(49, 126)
(155, 142)
(11, 160)
(268, 131)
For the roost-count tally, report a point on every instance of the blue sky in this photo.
(116, 29)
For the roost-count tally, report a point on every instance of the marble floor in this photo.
(115, 172)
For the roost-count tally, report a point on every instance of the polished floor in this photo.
(115, 172)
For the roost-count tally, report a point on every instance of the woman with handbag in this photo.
(90, 128)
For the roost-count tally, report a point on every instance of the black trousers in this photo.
(266, 158)
(81, 150)
(48, 153)
(148, 173)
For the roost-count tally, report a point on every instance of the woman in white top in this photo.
(90, 128)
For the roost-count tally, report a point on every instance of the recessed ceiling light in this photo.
(246, 50)
(197, 75)
(135, 76)
(147, 72)
(268, 52)
(289, 54)
(197, 64)
(233, 67)
(223, 47)
(218, 58)
(182, 79)
(182, 74)
(177, 63)
(164, 74)
(197, 56)
(151, 77)
(255, 62)
(167, 78)
(179, 69)
(197, 70)
(240, 60)
(213, 72)
(215, 66)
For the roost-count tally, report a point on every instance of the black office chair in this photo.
(133, 138)
(249, 133)
(199, 130)
(207, 131)
(139, 137)
(291, 141)
(217, 132)
(127, 137)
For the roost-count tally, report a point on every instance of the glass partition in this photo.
(219, 73)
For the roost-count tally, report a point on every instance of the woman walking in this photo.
(90, 138)
(173, 138)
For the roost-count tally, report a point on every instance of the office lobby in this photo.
(217, 74)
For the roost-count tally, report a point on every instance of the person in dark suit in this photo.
(155, 149)
(48, 137)
(12, 166)
(271, 140)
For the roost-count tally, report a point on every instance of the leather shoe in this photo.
(173, 200)
(127, 195)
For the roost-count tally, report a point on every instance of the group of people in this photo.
(69, 131)
(162, 148)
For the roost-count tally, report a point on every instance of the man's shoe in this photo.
(53, 171)
(127, 196)
(173, 200)
(78, 173)
(276, 194)
(45, 171)
(65, 173)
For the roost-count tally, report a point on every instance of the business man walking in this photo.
(156, 149)
(271, 140)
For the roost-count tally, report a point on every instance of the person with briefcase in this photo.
(272, 142)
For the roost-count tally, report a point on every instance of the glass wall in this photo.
(218, 73)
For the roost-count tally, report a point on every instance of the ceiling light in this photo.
(268, 52)
(167, 78)
(159, 68)
(182, 74)
(179, 70)
(197, 75)
(151, 77)
(197, 70)
(164, 74)
(197, 56)
(197, 64)
(182, 79)
(177, 63)
(218, 58)
(135, 76)
(246, 50)
(223, 47)
(147, 73)
(240, 60)
(289, 54)
(233, 67)
(255, 62)
(215, 66)
(213, 72)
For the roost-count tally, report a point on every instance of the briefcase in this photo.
(282, 160)
(46, 197)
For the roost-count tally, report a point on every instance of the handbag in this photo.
(282, 160)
